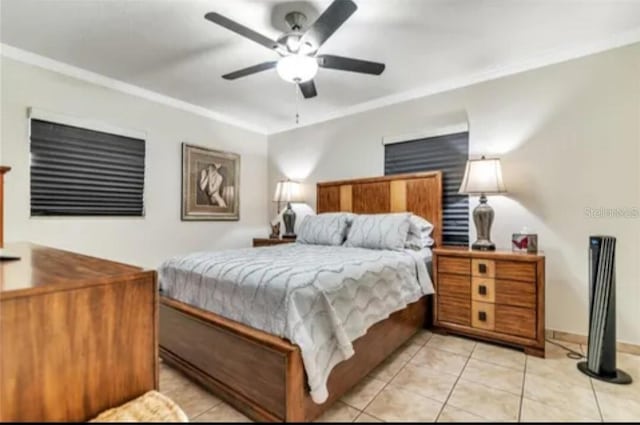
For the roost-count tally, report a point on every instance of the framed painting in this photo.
(210, 184)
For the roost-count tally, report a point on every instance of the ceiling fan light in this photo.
(297, 68)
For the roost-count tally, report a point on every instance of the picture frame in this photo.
(210, 184)
(524, 242)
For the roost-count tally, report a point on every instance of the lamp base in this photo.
(289, 218)
(483, 218)
(483, 245)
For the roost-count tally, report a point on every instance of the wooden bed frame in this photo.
(262, 375)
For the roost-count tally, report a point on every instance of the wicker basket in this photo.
(149, 407)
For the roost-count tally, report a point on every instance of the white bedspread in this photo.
(319, 297)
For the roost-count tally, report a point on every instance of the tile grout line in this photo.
(524, 378)
(189, 383)
(595, 396)
(197, 416)
(453, 387)
(593, 388)
(478, 383)
(496, 388)
(391, 379)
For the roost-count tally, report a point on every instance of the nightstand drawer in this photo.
(482, 315)
(454, 285)
(516, 270)
(483, 289)
(515, 321)
(495, 296)
(454, 310)
(483, 268)
(454, 265)
(514, 293)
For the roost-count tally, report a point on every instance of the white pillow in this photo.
(324, 229)
(379, 231)
(419, 235)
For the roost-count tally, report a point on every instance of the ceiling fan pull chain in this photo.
(296, 88)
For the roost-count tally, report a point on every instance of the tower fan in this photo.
(601, 352)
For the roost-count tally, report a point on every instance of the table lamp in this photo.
(288, 191)
(483, 177)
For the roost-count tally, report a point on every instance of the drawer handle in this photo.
(482, 268)
(482, 290)
(482, 316)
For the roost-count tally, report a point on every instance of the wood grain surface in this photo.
(262, 375)
(258, 242)
(512, 303)
(421, 194)
(454, 310)
(452, 265)
(78, 335)
(454, 285)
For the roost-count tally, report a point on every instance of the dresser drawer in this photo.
(454, 285)
(483, 315)
(483, 268)
(454, 310)
(454, 265)
(516, 270)
(483, 289)
(514, 293)
(515, 321)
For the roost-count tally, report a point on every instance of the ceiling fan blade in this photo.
(242, 30)
(350, 64)
(308, 89)
(327, 23)
(249, 70)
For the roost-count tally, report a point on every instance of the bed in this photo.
(260, 372)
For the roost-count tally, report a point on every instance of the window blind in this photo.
(81, 172)
(448, 153)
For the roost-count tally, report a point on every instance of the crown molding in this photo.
(551, 57)
(111, 83)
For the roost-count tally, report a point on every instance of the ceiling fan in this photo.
(298, 49)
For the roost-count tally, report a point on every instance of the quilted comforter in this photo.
(320, 298)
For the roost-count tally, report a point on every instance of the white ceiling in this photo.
(166, 46)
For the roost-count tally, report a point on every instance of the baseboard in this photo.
(623, 347)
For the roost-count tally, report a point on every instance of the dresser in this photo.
(257, 242)
(78, 334)
(495, 296)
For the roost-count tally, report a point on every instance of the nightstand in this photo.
(492, 295)
(269, 241)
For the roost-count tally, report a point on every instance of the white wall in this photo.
(143, 241)
(569, 139)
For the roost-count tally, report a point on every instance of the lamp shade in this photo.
(482, 176)
(287, 191)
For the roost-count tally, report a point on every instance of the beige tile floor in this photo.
(436, 378)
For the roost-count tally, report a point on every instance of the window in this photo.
(80, 172)
(448, 153)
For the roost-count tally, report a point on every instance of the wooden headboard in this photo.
(418, 193)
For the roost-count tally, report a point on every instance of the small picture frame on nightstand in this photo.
(524, 242)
